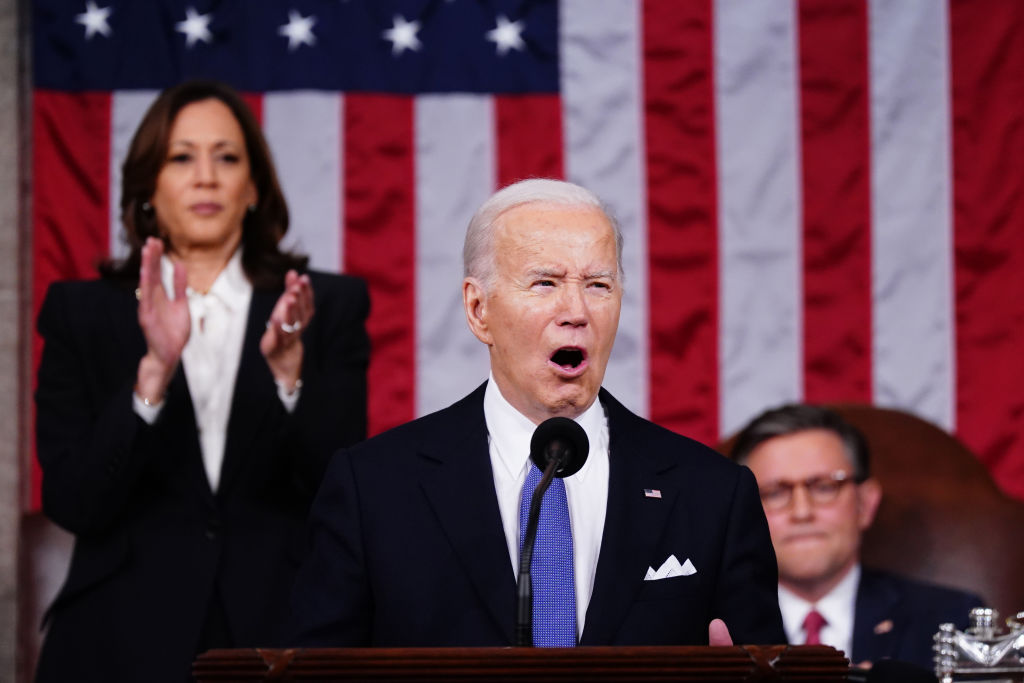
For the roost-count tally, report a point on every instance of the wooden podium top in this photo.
(747, 663)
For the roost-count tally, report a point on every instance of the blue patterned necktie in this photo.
(554, 587)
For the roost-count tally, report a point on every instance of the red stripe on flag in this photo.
(682, 216)
(987, 55)
(255, 102)
(529, 137)
(71, 189)
(380, 242)
(836, 140)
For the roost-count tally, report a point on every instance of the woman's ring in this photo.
(294, 327)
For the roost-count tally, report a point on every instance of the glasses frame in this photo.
(816, 494)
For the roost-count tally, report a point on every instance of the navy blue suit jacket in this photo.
(408, 547)
(897, 617)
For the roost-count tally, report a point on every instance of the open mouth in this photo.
(568, 358)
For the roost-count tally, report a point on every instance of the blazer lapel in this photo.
(131, 345)
(873, 628)
(457, 480)
(181, 411)
(122, 317)
(625, 554)
(255, 391)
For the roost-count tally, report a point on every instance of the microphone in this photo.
(562, 441)
(559, 448)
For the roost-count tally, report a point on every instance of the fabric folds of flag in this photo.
(821, 199)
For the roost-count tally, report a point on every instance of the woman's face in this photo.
(204, 188)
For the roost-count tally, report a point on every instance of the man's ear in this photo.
(474, 301)
(869, 495)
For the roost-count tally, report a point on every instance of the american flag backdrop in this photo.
(822, 200)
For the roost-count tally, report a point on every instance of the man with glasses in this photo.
(812, 471)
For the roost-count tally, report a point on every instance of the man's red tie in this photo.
(812, 627)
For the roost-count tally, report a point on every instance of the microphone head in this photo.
(562, 440)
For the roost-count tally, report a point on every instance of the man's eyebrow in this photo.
(600, 275)
(545, 273)
(555, 273)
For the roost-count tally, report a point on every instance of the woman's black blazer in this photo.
(152, 541)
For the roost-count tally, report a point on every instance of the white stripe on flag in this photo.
(602, 105)
(911, 219)
(126, 112)
(304, 131)
(759, 200)
(455, 173)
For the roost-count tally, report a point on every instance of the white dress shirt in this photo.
(509, 434)
(838, 608)
(211, 357)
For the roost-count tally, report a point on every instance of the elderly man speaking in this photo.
(417, 532)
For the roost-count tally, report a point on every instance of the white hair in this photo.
(478, 256)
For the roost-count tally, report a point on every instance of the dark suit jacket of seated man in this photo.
(410, 543)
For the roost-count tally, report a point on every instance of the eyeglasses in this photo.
(822, 490)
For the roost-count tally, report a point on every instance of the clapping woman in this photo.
(188, 402)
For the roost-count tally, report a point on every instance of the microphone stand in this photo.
(524, 584)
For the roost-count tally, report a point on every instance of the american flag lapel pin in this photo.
(652, 493)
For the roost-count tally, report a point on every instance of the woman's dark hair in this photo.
(262, 228)
(799, 417)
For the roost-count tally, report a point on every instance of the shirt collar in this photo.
(836, 607)
(841, 599)
(510, 431)
(231, 287)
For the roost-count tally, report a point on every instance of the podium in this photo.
(817, 663)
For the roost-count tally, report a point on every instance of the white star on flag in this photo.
(403, 35)
(94, 19)
(196, 27)
(507, 35)
(299, 30)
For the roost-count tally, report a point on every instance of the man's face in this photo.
(816, 543)
(550, 316)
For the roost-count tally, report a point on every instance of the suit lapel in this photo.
(255, 391)
(625, 554)
(873, 628)
(457, 480)
(181, 411)
(131, 347)
(123, 326)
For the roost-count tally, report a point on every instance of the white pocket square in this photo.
(670, 568)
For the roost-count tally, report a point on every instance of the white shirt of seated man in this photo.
(837, 607)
